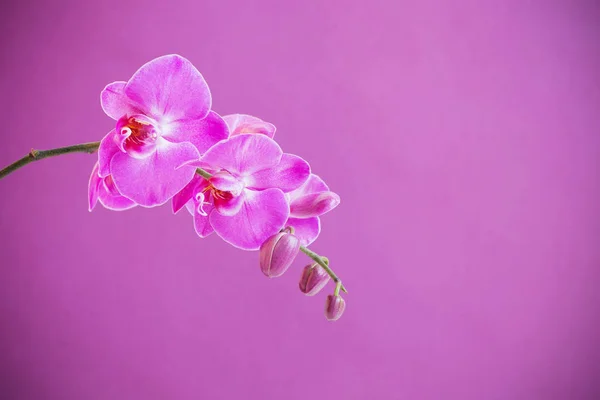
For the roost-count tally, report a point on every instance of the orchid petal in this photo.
(243, 155)
(291, 172)
(110, 197)
(202, 224)
(305, 229)
(314, 204)
(169, 88)
(153, 180)
(93, 187)
(202, 133)
(262, 215)
(313, 184)
(114, 101)
(190, 207)
(239, 124)
(103, 190)
(108, 148)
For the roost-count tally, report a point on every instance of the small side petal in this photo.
(202, 133)
(261, 216)
(314, 204)
(239, 124)
(305, 229)
(93, 188)
(114, 101)
(243, 155)
(153, 180)
(169, 88)
(313, 184)
(108, 148)
(291, 172)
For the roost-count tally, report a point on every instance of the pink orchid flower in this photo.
(239, 124)
(244, 201)
(163, 122)
(104, 190)
(307, 203)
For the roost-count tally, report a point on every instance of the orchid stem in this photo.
(338, 286)
(203, 173)
(325, 264)
(35, 155)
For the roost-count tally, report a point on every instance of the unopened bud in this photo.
(313, 279)
(277, 253)
(334, 307)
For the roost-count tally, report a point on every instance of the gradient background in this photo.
(463, 137)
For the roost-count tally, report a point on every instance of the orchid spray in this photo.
(228, 172)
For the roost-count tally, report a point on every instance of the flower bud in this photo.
(334, 307)
(277, 253)
(313, 279)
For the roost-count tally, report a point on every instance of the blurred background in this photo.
(463, 138)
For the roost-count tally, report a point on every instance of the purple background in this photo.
(463, 137)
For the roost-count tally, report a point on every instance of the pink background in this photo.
(463, 137)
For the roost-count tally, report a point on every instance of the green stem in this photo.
(321, 261)
(338, 286)
(35, 155)
(203, 173)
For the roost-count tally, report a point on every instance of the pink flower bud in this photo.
(334, 307)
(313, 279)
(277, 253)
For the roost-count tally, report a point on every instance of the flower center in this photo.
(139, 131)
(223, 191)
(137, 134)
(209, 196)
(220, 194)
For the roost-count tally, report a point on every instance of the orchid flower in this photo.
(244, 201)
(228, 172)
(307, 202)
(163, 122)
